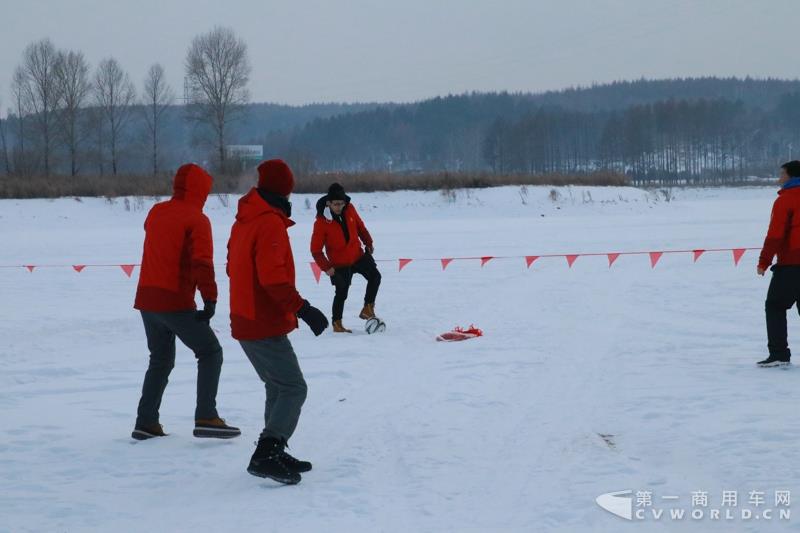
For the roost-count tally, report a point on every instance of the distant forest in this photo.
(682, 130)
(691, 130)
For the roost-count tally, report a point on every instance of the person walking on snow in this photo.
(783, 240)
(265, 306)
(340, 237)
(178, 259)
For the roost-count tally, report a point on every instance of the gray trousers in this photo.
(161, 330)
(276, 364)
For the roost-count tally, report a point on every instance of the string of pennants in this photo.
(127, 269)
(612, 257)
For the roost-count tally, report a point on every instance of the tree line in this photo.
(739, 129)
(684, 141)
(67, 118)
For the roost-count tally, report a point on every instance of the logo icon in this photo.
(619, 503)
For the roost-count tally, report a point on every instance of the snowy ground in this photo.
(406, 434)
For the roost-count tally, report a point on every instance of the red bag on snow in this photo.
(460, 334)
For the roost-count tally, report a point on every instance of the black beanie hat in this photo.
(336, 192)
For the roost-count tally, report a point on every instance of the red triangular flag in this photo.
(654, 257)
(571, 259)
(737, 255)
(529, 259)
(316, 270)
(486, 259)
(445, 262)
(78, 268)
(403, 263)
(30, 267)
(128, 269)
(611, 258)
(697, 254)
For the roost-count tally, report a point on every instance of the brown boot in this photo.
(144, 432)
(339, 328)
(368, 312)
(215, 428)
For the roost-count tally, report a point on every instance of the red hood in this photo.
(192, 184)
(252, 205)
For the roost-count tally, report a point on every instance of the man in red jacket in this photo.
(265, 306)
(341, 236)
(783, 240)
(178, 259)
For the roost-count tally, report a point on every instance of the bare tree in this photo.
(218, 70)
(115, 95)
(19, 87)
(158, 96)
(97, 132)
(72, 78)
(3, 143)
(39, 89)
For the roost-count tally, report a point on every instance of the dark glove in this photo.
(370, 249)
(313, 317)
(207, 312)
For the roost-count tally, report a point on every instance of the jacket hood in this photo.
(192, 184)
(252, 206)
(321, 205)
(793, 183)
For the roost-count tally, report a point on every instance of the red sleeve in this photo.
(317, 242)
(778, 224)
(202, 262)
(274, 274)
(363, 234)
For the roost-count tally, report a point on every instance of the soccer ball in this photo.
(375, 325)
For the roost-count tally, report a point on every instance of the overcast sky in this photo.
(306, 51)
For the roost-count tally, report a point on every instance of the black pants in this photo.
(161, 330)
(344, 276)
(784, 292)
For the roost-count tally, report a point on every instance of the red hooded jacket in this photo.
(783, 236)
(178, 253)
(264, 300)
(328, 234)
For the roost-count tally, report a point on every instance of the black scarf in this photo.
(343, 223)
(277, 201)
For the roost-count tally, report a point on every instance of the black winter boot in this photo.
(269, 461)
(294, 464)
(774, 360)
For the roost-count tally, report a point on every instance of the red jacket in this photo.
(264, 300)
(783, 236)
(178, 253)
(328, 234)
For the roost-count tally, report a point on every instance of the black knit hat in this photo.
(336, 192)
